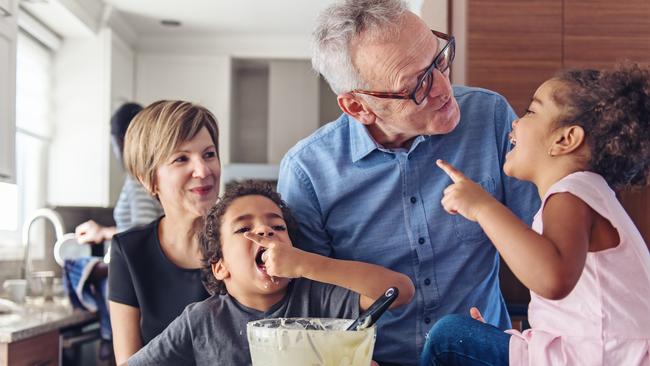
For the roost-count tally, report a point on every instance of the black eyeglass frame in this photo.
(451, 43)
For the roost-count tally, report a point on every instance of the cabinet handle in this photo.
(4, 12)
(2, 175)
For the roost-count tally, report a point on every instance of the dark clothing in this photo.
(140, 275)
(213, 332)
(86, 291)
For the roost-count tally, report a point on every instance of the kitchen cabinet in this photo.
(514, 46)
(8, 35)
(275, 104)
(36, 334)
(42, 350)
(291, 102)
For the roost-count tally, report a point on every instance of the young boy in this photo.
(248, 267)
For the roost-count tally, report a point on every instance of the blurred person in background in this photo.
(135, 206)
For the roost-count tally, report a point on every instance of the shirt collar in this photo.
(361, 141)
(363, 144)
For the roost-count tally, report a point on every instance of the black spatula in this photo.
(370, 316)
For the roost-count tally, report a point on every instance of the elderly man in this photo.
(366, 187)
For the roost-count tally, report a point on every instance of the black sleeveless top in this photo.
(140, 275)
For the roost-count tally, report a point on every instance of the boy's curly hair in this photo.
(613, 107)
(210, 234)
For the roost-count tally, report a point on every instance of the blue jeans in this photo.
(461, 340)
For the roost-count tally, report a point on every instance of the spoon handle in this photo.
(370, 316)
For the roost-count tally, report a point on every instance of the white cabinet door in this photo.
(8, 31)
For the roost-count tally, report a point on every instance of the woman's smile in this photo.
(203, 190)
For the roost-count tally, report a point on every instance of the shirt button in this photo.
(421, 240)
(413, 199)
(427, 282)
(427, 320)
(409, 157)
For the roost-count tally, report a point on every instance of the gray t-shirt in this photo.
(213, 331)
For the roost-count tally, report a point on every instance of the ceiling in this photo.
(220, 16)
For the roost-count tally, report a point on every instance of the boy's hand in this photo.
(463, 196)
(280, 259)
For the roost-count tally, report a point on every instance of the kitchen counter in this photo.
(34, 320)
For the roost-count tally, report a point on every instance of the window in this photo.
(34, 78)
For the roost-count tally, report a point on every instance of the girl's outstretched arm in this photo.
(549, 264)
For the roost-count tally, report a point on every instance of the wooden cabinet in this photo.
(42, 350)
(8, 34)
(598, 33)
(513, 46)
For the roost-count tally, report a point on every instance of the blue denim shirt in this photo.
(356, 200)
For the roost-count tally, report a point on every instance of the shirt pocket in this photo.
(470, 232)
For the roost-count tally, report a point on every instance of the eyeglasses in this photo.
(441, 62)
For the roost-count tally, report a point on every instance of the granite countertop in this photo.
(35, 319)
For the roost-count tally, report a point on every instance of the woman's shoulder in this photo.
(137, 236)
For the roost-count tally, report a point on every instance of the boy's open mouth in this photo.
(258, 258)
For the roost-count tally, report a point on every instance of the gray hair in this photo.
(336, 28)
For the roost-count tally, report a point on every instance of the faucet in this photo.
(45, 213)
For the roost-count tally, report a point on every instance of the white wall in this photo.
(459, 30)
(122, 91)
(434, 13)
(267, 46)
(201, 79)
(80, 152)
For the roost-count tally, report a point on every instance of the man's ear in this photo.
(219, 270)
(354, 107)
(567, 140)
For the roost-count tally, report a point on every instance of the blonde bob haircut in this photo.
(158, 130)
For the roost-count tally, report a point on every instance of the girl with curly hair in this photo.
(584, 261)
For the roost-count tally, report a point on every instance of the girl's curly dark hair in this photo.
(613, 107)
(210, 234)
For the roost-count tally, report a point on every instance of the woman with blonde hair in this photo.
(171, 147)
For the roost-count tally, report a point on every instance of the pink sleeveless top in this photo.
(605, 320)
